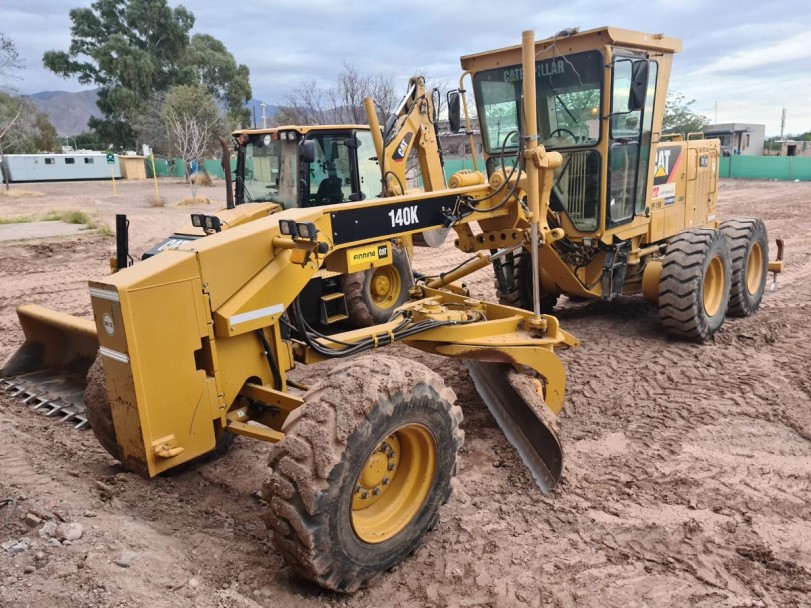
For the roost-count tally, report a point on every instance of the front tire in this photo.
(364, 466)
(749, 247)
(694, 284)
(520, 296)
(373, 295)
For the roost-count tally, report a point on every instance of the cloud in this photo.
(747, 58)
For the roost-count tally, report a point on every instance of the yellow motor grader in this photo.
(194, 344)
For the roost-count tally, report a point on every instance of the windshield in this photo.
(269, 171)
(568, 102)
(339, 173)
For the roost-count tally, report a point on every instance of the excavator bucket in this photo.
(525, 420)
(48, 371)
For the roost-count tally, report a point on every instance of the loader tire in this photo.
(694, 284)
(749, 248)
(364, 466)
(372, 295)
(521, 295)
(98, 411)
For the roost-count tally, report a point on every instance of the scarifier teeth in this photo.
(32, 392)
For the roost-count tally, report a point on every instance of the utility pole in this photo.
(783, 124)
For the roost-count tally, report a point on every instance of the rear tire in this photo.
(99, 414)
(373, 295)
(98, 411)
(521, 295)
(357, 482)
(749, 248)
(694, 284)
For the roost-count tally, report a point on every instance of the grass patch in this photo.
(105, 230)
(197, 200)
(20, 193)
(153, 200)
(77, 217)
(20, 219)
(69, 217)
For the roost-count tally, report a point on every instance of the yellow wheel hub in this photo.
(714, 286)
(754, 268)
(393, 483)
(386, 286)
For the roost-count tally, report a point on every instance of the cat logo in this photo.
(662, 163)
(402, 147)
(368, 256)
(668, 159)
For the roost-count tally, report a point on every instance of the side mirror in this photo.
(352, 142)
(454, 111)
(639, 85)
(306, 151)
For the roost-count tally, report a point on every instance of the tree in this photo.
(193, 125)
(341, 103)
(679, 118)
(209, 64)
(132, 49)
(10, 60)
(23, 129)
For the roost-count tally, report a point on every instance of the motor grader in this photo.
(195, 344)
(304, 166)
(631, 210)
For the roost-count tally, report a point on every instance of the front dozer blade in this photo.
(523, 417)
(48, 371)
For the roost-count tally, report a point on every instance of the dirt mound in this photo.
(685, 476)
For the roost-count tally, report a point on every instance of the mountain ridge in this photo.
(69, 112)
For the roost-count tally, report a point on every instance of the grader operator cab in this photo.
(304, 166)
(195, 344)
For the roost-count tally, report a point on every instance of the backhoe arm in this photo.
(412, 124)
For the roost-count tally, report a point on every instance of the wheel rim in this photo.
(385, 286)
(714, 286)
(754, 268)
(393, 484)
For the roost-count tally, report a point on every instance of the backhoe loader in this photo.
(196, 343)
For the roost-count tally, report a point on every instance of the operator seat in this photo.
(329, 191)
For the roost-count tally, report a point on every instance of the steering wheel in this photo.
(566, 131)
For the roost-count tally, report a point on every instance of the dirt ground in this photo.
(687, 469)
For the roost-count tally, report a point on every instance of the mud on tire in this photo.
(372, 296)
(749, 249)
(100, 416)
(98, 411)
(694, 284)
(352, 492)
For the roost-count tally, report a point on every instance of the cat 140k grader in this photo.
(195, 344)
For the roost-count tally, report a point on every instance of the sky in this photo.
(742, 62)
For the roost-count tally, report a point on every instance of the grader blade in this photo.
(48, 371)
(523, 417)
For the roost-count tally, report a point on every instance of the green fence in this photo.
(784, 168)
(213, 167)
